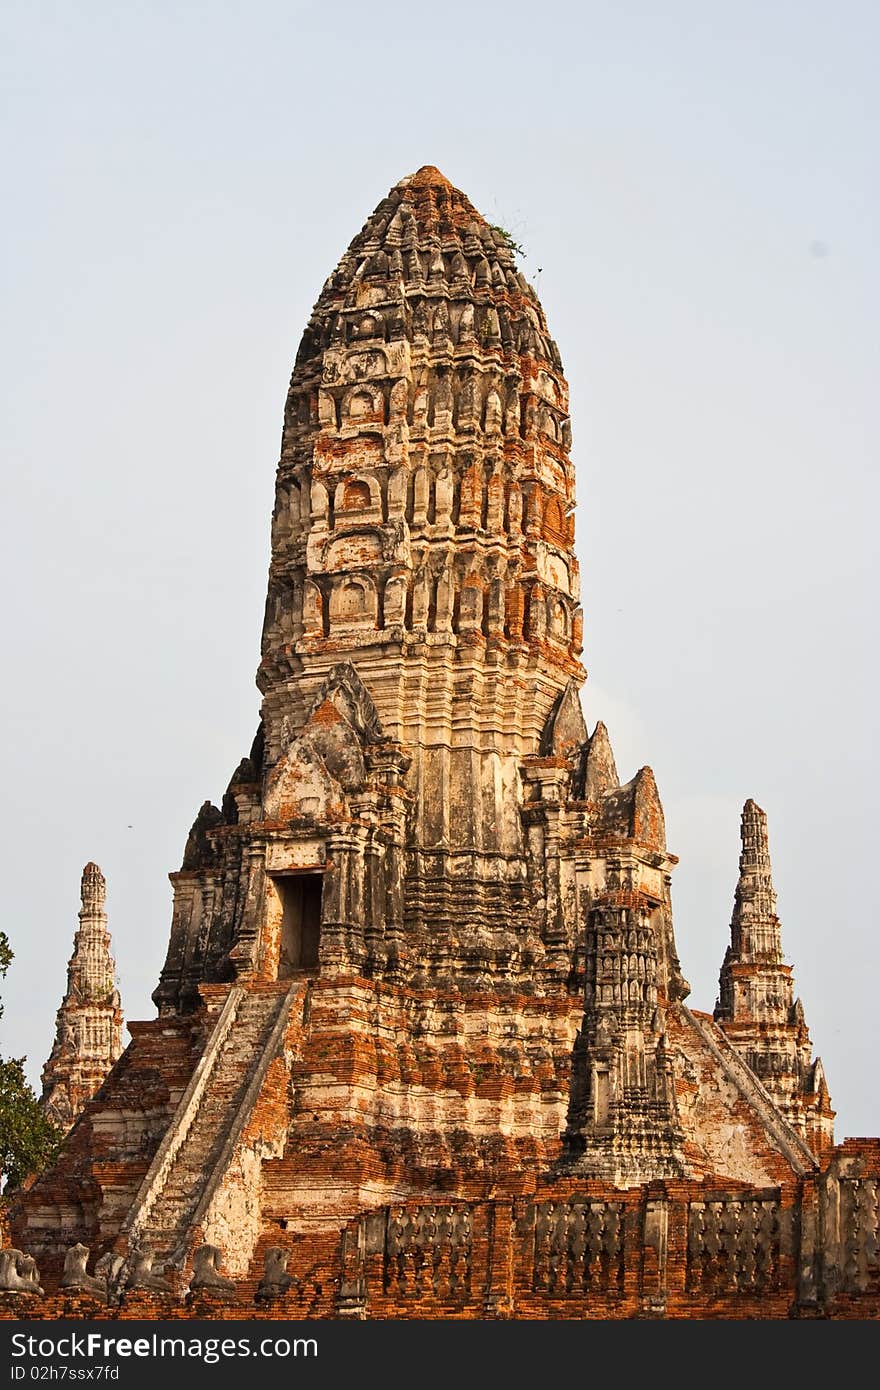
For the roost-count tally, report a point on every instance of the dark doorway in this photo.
(300, 896)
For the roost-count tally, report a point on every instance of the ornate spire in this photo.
(756, 1005)
(88, 1026)
(754, 981)
(754, 928)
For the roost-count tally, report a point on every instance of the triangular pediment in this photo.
(300, 785)
(345, 692)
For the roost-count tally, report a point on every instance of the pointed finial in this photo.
(754, 908)
(601, 769)
(93, 888)
(755, 842)
(755, 933)
(565, 729)
(428, 176)
(648, 822)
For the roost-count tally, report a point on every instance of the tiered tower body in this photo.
(422, 971)
(423, 579)
(88, 1026)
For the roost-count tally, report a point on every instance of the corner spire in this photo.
(756, 1005)
(88, 1025)
(755, 929)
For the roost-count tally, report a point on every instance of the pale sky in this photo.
(695, 186)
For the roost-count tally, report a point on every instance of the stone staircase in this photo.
(209, 1119)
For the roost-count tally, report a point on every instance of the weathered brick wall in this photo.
(571, 1249)
(380, 1094)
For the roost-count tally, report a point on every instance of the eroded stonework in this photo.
(422, 1029)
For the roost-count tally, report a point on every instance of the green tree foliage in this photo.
(28, 1139)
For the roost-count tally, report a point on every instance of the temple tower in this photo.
(88, 1025)
(422, 803)
(756, 1006)
(422, 619)
(422, 951)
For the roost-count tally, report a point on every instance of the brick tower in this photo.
(88, 1026)
(422, 1007)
